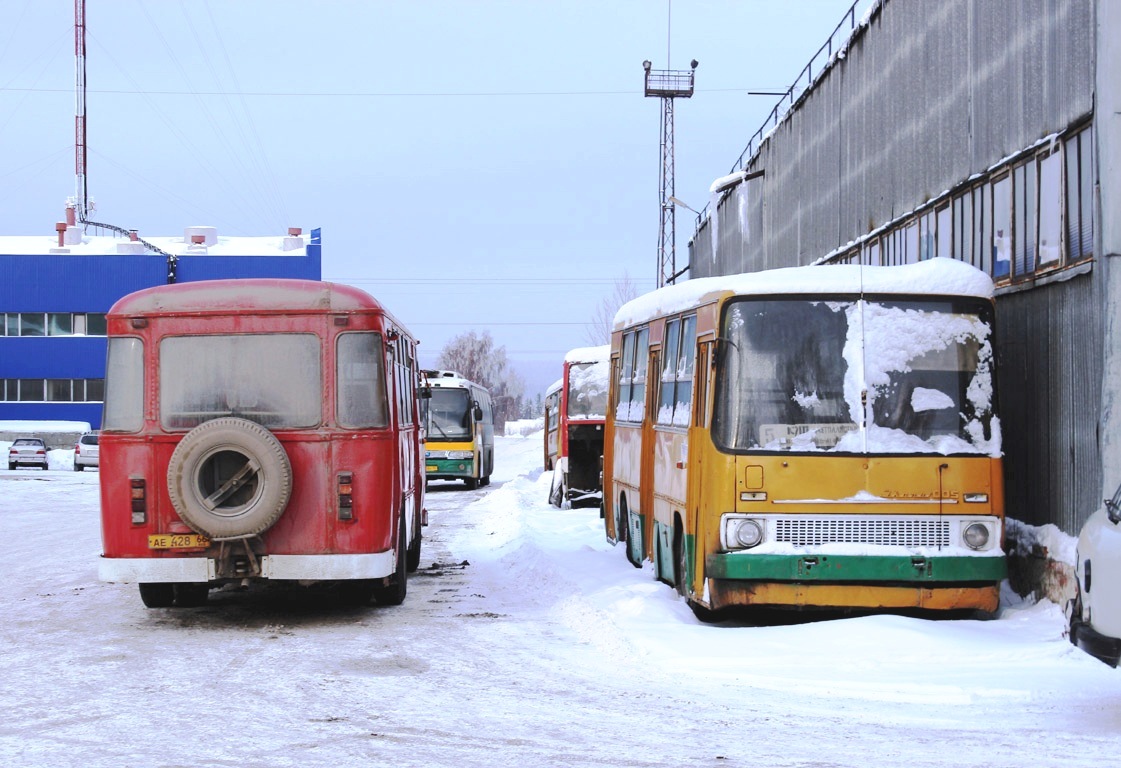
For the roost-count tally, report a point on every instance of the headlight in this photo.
(460, 454)
(744, 532)
(976, 535)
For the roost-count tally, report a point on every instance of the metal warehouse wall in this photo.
(1049, 360)
(926, 96)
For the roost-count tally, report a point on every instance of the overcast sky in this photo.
(486, 165)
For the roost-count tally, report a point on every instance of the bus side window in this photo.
(703, 371)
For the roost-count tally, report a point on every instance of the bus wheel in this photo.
(556, 491)
(229, 478)
(680, 567)
(160, 595)
(634, 555)
(412, 561)
(191, 594)
(393, 593)
(471, 482)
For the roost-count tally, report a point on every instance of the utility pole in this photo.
(668, 84)
(81, 196)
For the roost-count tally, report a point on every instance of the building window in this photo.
(1024, 218)
(1079, 196)
(60, 324)
(52, 324)
(95, 324)
(944, 233)
(32, 324)
(52, 390)
(60, 390)
(1002, 228)
(1050, 211)
(31, 390)
(95, 390)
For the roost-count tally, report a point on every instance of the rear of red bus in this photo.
(259, 430)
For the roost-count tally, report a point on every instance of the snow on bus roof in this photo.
(935, 277)
(589, 354)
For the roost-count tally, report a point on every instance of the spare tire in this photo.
(229, 478)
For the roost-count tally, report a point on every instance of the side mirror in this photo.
(478, 412)
(424, 393)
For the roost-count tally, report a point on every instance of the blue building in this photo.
(53, 300)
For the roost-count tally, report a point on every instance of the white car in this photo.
(1095, 622)
(86, 452)
(27, 451)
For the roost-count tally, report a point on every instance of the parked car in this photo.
(27, 451)
(1095, 622)
(86, 452)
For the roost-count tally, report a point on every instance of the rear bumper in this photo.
(449, 469)
(376, 565)
(832, 581)
(855, 568)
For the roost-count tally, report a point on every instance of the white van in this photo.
(1095, 622)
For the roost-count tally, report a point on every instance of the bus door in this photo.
(690, 572)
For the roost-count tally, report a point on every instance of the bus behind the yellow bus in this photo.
(819, 436)
(459, 423)
(575, 414)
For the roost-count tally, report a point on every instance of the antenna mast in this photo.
(81, 196)
(668, 84)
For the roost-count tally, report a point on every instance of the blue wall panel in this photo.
(52, 357)
(193, 268)
(88, 412)
(69, 283)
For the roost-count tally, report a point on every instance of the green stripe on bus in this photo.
(449, 466)
(834, 568)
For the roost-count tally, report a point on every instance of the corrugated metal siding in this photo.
(72, 283)
(1050, 367)
(192, 268)
(926, 96)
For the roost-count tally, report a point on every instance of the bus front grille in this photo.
(811, 531)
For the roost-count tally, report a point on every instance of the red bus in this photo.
(259, 429)
(575, 413)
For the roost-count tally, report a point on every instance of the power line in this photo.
(373, 94)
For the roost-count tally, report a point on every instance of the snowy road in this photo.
(525, 640)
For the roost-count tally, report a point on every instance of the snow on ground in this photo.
(526, 639)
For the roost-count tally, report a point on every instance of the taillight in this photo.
(138, 492)
(346, 503)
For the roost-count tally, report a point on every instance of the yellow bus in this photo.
(820, 436)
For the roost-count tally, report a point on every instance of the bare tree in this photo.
(475, 357)
(598, 331)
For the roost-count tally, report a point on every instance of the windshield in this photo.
(867, 376)
(587, 390)
(447, 414)
(272, 379)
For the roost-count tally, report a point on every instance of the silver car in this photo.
(27, 451)
(86, 452)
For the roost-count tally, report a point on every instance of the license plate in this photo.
(178, 541)
(430, 468)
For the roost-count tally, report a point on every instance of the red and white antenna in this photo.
(81, 198)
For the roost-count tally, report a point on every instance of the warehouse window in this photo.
(1050, 211)
(1002, 228)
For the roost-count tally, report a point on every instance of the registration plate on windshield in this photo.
(178, 541)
